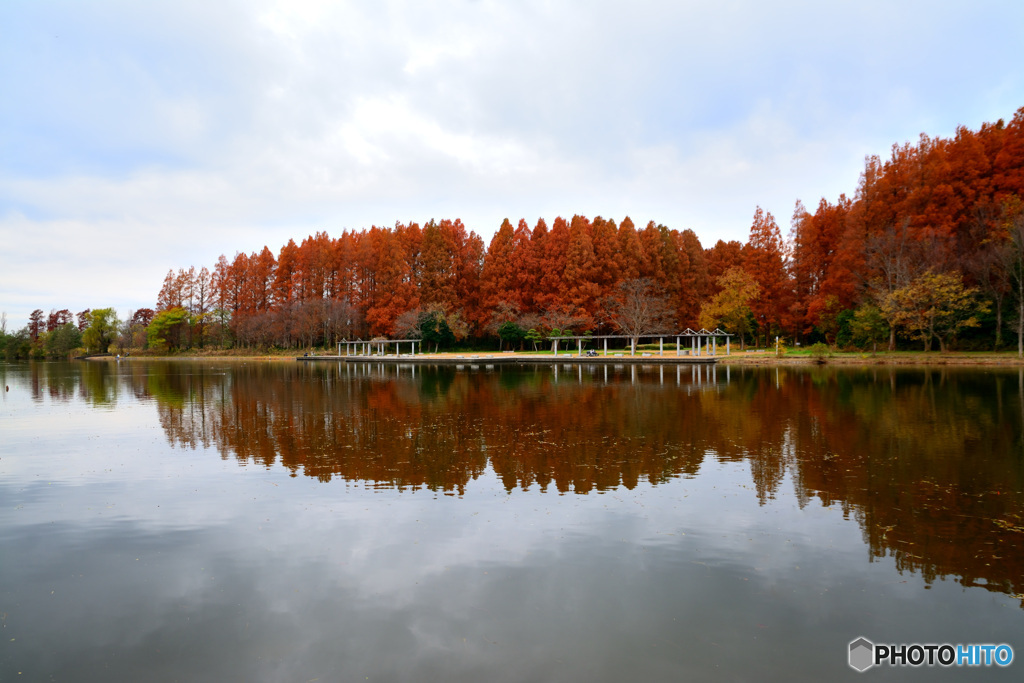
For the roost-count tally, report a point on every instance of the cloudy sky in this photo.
(136, 137)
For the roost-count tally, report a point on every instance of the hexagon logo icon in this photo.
(862, 654)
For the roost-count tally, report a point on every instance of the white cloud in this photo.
(209, 129)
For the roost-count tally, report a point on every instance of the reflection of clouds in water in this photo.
(190, 564)
(553, 581)
(755, 479)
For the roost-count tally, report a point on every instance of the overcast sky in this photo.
(136, 137)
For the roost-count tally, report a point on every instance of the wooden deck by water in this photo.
(509, 359)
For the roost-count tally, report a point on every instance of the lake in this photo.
(283, 521)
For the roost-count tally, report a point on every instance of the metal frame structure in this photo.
(698, 339)
(709, 343)
(380, 345)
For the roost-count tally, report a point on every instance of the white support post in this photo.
(661, 346)
(606, 346)
(727, 346)
(677, 346)
(714, 346)
(579, 353)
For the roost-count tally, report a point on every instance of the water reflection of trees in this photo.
(930, 463)
(439, 431)
(99, 384)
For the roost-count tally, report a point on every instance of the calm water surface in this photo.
(223, 521)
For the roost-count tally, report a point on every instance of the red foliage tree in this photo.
(521, 266)
(36, 324)
(551, 266)
(764, 258)
(497, 280)
(630, 252)
(580, 274)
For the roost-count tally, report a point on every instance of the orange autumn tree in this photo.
(821, 279)
(929, 203)
(720, 258)
(764, 259)
(497, 279)
(694, 279)
(396, 288)
(551, 265)
(629, 256)
(580, 275)
(521, 267)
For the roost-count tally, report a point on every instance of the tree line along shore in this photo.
(927, 253)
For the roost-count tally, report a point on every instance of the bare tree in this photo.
(306, 321)
(562, 321)
(982, 256)
(894, 260)
(505, 311)
(638, 309)
(1015, 261)
(341, 319)
(125, 333)
(407, 324)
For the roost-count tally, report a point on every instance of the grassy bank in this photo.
(736, 357)
(802, 357)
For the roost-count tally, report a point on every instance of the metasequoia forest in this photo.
(928, 252)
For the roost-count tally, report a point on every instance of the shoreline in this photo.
(747, 358)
